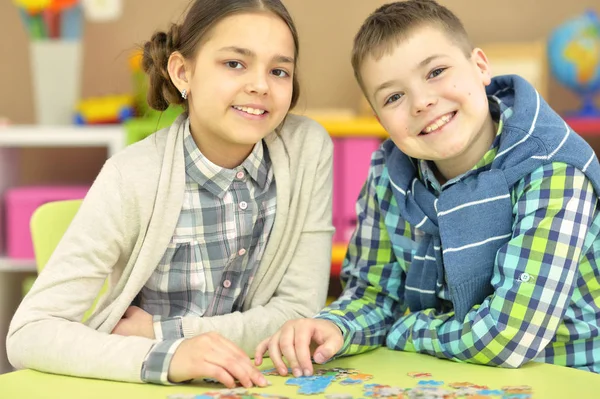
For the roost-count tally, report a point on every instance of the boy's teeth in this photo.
(248, 110)
(437, 124)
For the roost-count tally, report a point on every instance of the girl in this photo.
(217, 228)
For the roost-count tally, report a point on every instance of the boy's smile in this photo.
(430, 97)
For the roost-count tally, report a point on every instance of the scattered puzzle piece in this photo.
(312, 384)
(274, 372)
(431, 382)
(416, 374)
(237, 393)
(517, 389)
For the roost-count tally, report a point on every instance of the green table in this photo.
(388, 367)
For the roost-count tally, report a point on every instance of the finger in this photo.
(260, 351)
(288, 350)
(326, 351)
(302, 339)
(218, 373)
(329, 339)
(275, 355)
(245, 373)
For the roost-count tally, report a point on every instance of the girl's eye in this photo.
(280, 73)
(234, 64)
(392, 98)
(436, 72)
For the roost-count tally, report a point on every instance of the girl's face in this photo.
(240, 85)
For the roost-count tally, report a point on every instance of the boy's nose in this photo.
(422, 103)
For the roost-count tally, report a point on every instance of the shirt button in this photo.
(242, 252)
(226, 283)
(240, 175)
(525, 277)
(243, 205)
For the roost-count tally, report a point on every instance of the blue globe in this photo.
(574, 56)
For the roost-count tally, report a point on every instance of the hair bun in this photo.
(161, 91)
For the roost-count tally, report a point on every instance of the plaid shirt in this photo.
(549, 314)
(221, 234)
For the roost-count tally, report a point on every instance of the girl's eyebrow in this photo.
(249, 53)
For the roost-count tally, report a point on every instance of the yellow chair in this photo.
(48, 224)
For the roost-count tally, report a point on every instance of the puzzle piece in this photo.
(383, 391)
(274, 372)
(237, 393)
(431, 383)
(312, 384)
(416, 374)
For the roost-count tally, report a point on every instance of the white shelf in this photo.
(17, 265)
(112, 137)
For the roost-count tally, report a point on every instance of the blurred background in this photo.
(39, 155)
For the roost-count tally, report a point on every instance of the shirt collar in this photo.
(215, 178)
(499, 114)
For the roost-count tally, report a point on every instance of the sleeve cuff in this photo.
(167, 329)
(155, 368)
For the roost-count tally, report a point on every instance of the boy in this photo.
(479, 216)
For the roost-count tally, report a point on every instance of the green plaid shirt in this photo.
(551, 313)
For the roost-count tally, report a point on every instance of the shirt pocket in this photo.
(183, 279)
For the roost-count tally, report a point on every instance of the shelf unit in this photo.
(12, 138)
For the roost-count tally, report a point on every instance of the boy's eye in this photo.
(393, 98)
(436, 72)
(280, 73)
(234, 64)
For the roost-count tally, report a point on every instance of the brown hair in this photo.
(394, 22)
(186, 38)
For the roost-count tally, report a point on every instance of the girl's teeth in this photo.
(248, 110)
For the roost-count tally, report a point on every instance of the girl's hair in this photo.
(187, 37)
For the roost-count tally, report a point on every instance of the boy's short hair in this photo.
(393, 22)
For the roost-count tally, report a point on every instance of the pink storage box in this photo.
(20, 203)
(351, 162)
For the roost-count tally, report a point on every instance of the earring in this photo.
(184, 94)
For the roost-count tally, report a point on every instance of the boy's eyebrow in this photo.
(428, 60)
(249, 53)
(383, 86)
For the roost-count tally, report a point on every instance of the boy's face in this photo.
(431, 99)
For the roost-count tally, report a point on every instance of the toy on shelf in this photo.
(105, 109)
(574, 54)
(51, 19)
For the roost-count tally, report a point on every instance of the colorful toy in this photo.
(106, 109)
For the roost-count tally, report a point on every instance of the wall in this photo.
(326, 29)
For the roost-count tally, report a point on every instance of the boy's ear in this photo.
(483, 65)
(178, 69)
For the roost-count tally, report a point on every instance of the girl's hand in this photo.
(136, 322)
(296, 340)
(211, 355)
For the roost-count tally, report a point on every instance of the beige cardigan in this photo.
(121, 232)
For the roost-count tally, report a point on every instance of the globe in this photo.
(574, 58)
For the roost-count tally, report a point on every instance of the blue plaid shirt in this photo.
(546, 301)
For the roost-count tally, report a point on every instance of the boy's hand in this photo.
(136, 322)
(296, 340)
(211, 355)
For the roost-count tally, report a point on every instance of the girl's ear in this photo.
(179, 72)
(483, 65)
